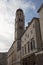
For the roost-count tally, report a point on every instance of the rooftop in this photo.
(40, 8)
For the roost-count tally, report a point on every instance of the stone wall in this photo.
(39, 58)
(3, 58)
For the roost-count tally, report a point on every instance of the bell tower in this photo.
(19, 27)
(19, 24)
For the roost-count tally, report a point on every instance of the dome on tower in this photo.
(19, 10)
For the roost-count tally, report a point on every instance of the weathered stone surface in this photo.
(3, 58)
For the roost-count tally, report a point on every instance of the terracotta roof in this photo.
(40, 7)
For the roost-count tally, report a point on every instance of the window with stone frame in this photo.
(18, 45)
(19, 19)
(32, 44)
(31, 31)
(20, 27)
(22, 50)
(25, 48)
(28, 45)
(33, 25)
(20, 14)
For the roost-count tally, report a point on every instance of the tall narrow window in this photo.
(22, 50)
(31, 31)
(19, 19)
(33, 41)
(28, 46)
(25, 49)
(32, 44)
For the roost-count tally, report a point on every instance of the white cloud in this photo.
(12, 5)
(7, 20)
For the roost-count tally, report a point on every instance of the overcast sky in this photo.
(7, 18)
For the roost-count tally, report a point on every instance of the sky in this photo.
(7, 18)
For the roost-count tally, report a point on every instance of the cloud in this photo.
(13, 5)
(7, 20)
(5, 43)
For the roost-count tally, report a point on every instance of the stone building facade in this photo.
(31, 42)
(3, 58)
(27, 49)
(40, 11)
